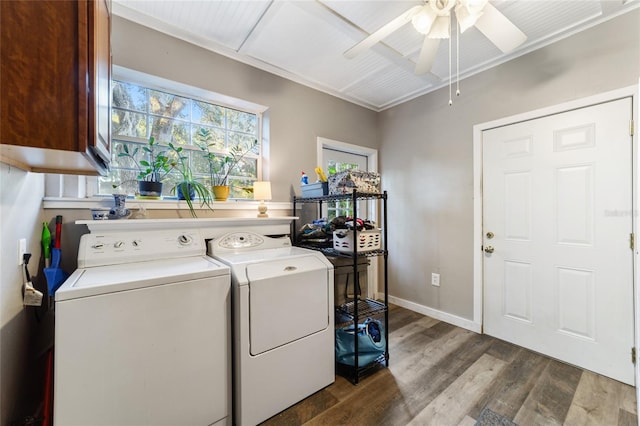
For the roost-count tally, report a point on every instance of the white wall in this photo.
(427, 153)
(20, 217)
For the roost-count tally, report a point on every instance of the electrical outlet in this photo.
(435, 279)
(22, 249)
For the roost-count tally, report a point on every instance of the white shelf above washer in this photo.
(210, 227)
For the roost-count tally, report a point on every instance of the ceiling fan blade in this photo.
(499, 29)
(382, 32)
(427, 55)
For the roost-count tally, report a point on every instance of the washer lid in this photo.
(113, 278)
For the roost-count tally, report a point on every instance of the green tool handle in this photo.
(46, 243)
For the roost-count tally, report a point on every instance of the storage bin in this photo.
(367, 240)
(317, 189)
(354, 180)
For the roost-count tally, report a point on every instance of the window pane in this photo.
(241, 121)
(199, 162)
(208, 114)
(129, 96)
(125, 123)
(208, 136)
(240, 188)
(124, 180)
(121, 160)
(242, 140)
(165, 130)
(246, 167)
(168, 105)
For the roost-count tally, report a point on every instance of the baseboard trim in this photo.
(434, 313)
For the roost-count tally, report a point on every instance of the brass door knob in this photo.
(488, 249)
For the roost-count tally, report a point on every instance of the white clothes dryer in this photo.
(142, 333)
(283, 323)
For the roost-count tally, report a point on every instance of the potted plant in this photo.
(151, 170)
(188, 187)
(221, 166)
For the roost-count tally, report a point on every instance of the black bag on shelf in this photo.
(371, 343)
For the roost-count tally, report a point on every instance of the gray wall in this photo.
(297, 113)
(20, 217)
(427, 153)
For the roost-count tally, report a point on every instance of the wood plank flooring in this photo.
(443, 375)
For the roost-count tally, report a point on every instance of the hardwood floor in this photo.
(444, 375)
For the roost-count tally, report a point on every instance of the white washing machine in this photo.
(283, 323)
(142, 333)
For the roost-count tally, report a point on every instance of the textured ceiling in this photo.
(304, 41)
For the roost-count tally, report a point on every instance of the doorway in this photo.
(556, 266)
(335, 156)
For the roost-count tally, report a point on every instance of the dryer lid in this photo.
(109, 279)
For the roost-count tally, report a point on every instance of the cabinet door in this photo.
(49, 85)
(100, 71)
(40, 75)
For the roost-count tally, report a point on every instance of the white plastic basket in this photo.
(367, 240)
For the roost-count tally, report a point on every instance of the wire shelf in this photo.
(334, 197)
(366, 308)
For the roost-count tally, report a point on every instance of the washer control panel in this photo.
(100, 249)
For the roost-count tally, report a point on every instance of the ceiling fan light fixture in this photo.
(442, 7)
(467, 16)
(423, 20)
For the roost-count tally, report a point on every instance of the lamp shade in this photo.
(262, 190)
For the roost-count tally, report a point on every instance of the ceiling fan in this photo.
(433, 19)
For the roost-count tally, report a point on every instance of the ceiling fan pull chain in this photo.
(457, 58)
(450, 74)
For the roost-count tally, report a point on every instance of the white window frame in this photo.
(175, 88)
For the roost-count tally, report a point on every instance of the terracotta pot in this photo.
(220, 192)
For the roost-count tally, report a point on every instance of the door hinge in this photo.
(633, 354)
(632, 241)
(631, 127)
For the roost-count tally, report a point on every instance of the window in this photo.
(139, 112)
(340, 207)
(337, 160)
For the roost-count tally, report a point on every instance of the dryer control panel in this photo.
(240, 241)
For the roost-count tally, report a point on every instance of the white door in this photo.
(557, 200)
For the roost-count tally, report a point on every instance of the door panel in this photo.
(557, 195)
(288, 300)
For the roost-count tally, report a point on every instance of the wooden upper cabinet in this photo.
(55, 85)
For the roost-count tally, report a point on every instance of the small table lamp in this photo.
(262, 192)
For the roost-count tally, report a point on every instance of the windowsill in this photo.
(165, 204)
